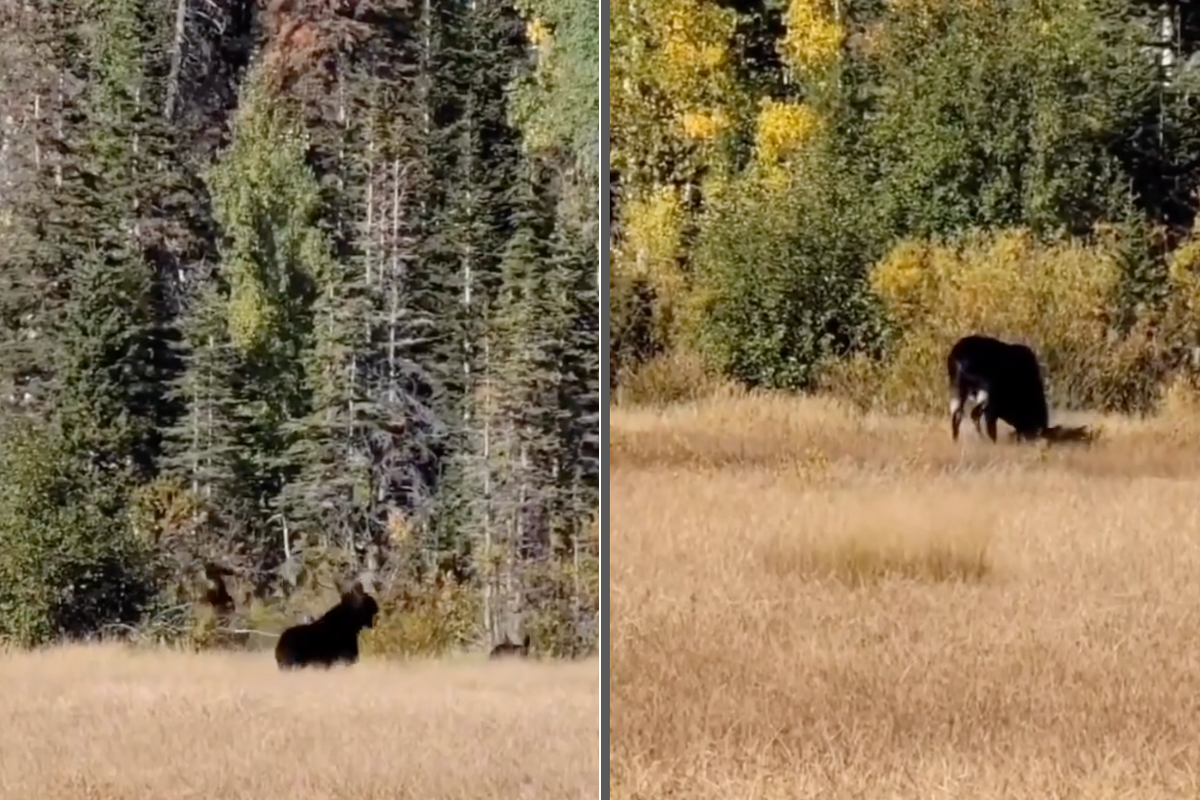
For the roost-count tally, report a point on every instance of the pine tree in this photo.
(406, 436)
(48, 227)
(266, 200)
(476, 155)
(202, 448)
(117, 360)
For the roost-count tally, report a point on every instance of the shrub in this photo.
(632, 338)
(1053, 296)
(673, 377)
(564, 601)
(430, 618)
(780, 273)
(69, 562)
(1181, 317)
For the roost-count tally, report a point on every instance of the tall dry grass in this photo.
(806, 603)
(105, 722)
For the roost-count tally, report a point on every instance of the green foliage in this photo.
(676, 105)
(565, 598)
(203, 445)
(265, 199)
(69, 564)
(544, 404)
(275, 263)
(337, 357)
(918, 126)
(113, 371)
(780, 274)
(429, 618)
(1005, 112)
(559, 103)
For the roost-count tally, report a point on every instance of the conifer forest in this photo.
(293, 292)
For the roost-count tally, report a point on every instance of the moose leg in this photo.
(956, 414)
(990, 417)
(977, 415)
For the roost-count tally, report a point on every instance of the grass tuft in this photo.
(889, 538)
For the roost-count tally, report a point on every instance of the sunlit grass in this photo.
(106, 722)
(810, 603)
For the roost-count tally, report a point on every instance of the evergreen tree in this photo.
(202, 445)
(476, 156)
(368, 305)
(49, 226)
(266, 201)
(116, 361)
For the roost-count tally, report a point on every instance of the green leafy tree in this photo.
(782, 273)
(558, 103)
(1005, 113)
(69, 565)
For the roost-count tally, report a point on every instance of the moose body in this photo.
(508, 649)
(1005, 383)
(332, 638)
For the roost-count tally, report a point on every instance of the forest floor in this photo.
(106, 722)
(810, 603)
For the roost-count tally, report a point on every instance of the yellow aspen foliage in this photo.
(702, 126)
(783, 128)
(1051, 295)
(673, 85)
(1183, 274)
(537, 31)
(1183, 267)
(1006, 282)
(680, 47)
(1180, 322)
(540, 37)
(902, 280)
(692, 59)
(814, 35)
(774, 179)
(650, 249)
(653, 234)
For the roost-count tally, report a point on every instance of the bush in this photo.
(632, 336)
(780, 274)
(564, 616)
(647, 286)
(1181, 316)
(677, 376)
(69, 562)
(430, 618)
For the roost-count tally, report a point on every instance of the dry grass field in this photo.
(806, 603)
(108, 723)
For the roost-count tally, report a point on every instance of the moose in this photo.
(508, 649)
(333, 637)
(1004, 382)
